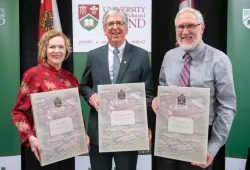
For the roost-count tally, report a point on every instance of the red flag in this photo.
(46, 17)
(49, 18)
(185, 4)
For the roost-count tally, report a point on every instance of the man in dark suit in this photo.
(101, 68)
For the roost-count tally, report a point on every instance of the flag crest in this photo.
(46, 21)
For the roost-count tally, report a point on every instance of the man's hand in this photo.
(88, 142)
(35, 146)
(149, 140)
(93, 101)
(155, 105)
(210, 159)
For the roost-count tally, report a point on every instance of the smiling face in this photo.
(56, 51)
(190, 38)
(116, 34)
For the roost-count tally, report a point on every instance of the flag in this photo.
(185, 4)
(49, 17)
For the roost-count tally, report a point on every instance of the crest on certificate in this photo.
(57, 102)
(181, 100)
(121, 95)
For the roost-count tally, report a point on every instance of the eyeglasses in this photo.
(189, 27)
(117, 23)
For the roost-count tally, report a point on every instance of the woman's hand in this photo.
(35, 147)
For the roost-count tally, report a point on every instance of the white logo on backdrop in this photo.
(246, 17)
(88, 29)
(2, 16)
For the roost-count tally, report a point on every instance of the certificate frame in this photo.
(124, 104)
(182, 123)
(59, 125)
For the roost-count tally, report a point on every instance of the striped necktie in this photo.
(185, 72)
(116, 64)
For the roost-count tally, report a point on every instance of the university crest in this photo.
(246, 17)
(88, 16)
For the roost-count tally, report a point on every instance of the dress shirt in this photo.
(41, 78)
(111, 57)
(209, 68)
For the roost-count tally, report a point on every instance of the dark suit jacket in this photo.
(136, 69)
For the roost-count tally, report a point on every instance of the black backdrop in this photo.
(29, 19)
(163, 35)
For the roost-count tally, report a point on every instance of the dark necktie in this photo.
(116, 65)
(185, 72)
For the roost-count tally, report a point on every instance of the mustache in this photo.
(186, 36)
(191, 45)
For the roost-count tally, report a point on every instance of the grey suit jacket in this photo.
(136, 69)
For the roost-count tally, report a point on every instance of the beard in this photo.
(189, 46)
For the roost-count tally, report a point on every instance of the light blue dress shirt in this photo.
(209, 68)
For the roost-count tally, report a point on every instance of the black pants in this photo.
(103, 161)
(31, 163)
(170, 164)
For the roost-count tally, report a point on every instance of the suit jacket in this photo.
(137, 69)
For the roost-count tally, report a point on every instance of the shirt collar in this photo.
(195, 52)
(121, 48)
(50, 67)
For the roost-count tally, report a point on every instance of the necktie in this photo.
(116, 64)
(185, 72)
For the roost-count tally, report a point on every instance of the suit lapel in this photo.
(125, 62)
(105, 64)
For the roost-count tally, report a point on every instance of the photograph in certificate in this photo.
(182, 123)
(59, 124)
(122, 117)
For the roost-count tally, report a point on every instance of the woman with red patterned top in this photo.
(53, 48)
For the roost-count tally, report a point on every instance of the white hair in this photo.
(114, 11)
(197, 14)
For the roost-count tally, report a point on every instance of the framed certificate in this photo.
(122, 117)
(59, 124)
(182, 123)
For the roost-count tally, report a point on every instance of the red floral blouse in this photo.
(41, 78)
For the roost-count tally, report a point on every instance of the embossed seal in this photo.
(121, 95)
(57, 102)
(181, 100)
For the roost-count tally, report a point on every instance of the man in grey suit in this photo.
(102, 68)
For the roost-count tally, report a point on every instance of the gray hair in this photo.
(114, 11)
(197, 14)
